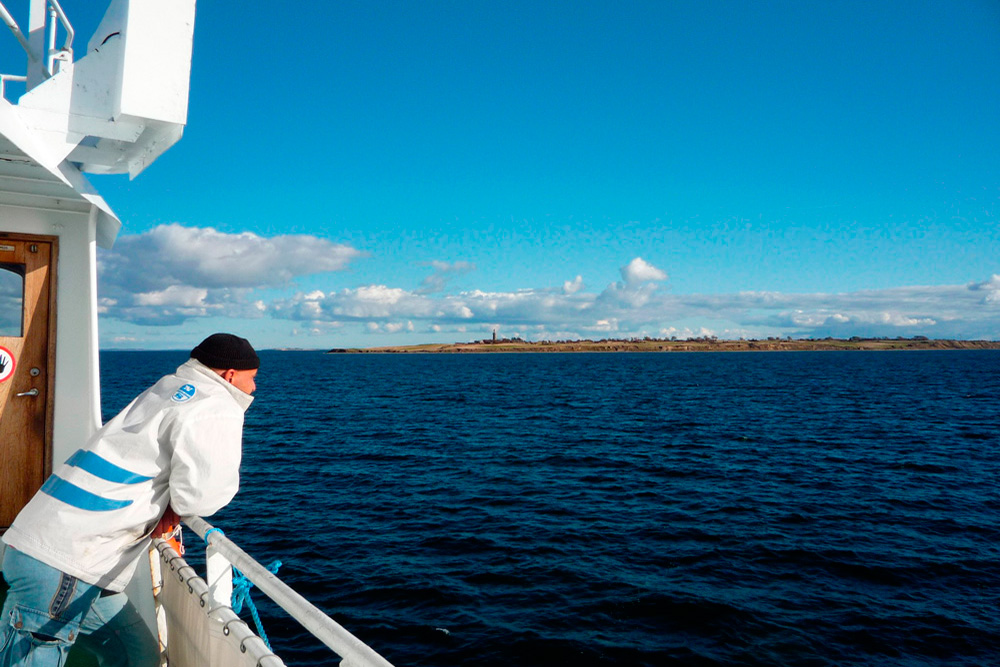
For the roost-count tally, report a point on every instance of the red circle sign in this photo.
(7, 364)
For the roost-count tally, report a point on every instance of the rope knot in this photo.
(241, 594)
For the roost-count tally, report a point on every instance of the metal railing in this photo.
(12, 24)
(52, 56)
(168, 564)
(355, 653)
(65, 53)
(4, 78)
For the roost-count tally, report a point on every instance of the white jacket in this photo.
(178, 443)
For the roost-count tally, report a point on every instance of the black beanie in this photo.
(225, 351)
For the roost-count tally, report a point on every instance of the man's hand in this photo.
(167, 523)
(169, 528)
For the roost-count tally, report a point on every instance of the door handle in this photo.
(30, 392)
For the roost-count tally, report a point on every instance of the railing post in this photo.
(37, 68)
(56, 58)
(352, 650)
(51, 38)
(219, 577)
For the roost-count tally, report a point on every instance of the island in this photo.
(704, 344)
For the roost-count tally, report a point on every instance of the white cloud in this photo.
(443, 272)
(688, 332)
(175, 295)
(203, 257)
(573, 286)
(632, 309)
(370, 302)
(607, 325)
(991, 288)
(317, 329)
(629, 295)
(640, 271)
(396, 327)
(172, 273)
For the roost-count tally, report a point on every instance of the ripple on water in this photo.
(751, 509)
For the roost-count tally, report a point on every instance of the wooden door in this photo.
(27, 366)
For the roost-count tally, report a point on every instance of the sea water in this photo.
(827, 508)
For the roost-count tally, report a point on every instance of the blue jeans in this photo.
(46, 611)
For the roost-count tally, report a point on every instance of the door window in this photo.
(11, 299)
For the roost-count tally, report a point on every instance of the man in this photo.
(74, 547)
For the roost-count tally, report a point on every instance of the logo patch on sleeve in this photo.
(184, 394)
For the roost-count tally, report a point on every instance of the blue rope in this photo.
(241, 594)
(241, 591)
(213, 530)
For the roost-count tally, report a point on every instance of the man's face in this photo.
(242, 380)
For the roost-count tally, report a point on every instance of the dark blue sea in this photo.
(826, 508)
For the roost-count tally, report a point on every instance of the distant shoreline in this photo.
(691, 345)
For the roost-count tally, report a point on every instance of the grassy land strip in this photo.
(692, 345)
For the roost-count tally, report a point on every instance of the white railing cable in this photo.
(354, 651)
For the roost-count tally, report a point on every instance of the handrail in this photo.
(4, 78)
(54, 12)
(12, 24)
(57, 10)
(354, 651)
(234, 628)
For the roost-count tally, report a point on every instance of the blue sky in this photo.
(375, 173)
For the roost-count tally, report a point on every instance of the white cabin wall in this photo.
(77, 387)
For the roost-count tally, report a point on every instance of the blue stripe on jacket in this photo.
(71, 494)
(101, 467)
